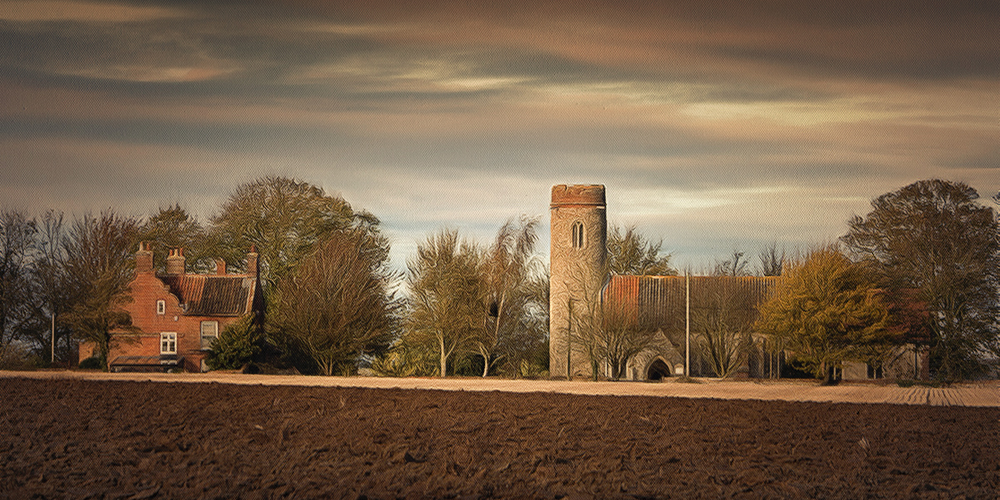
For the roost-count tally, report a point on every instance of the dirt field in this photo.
(116, 439)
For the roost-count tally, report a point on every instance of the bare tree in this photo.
(52, 283)
(17, 234)
(772, 260)
(631, 254)
(722, 316)
(736, 265)
(99, 267)
(933, 236)
(445, 296)
(608, 330)
(508, 270)
(339, 303)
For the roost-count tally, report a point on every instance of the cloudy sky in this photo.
(714, 124)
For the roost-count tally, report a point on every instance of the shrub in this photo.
(91, 363)
(238, 344)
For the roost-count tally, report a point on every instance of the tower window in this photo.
(161, 307)
(578, 240)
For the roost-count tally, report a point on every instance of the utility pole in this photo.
(687, 322)
(53, 337)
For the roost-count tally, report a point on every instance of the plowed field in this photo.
(83, 439)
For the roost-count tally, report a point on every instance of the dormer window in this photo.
(161, 307)
(578, 236)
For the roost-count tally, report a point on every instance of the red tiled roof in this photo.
(660, 300)
(213, 295)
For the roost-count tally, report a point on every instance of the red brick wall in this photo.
(147, 289)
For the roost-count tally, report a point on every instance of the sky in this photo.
(715, 125)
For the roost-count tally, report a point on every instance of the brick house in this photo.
(178, 315)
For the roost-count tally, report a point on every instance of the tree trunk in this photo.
(444, 358)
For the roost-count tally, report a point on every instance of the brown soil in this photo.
(81, 439)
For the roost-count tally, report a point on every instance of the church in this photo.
(663, 306)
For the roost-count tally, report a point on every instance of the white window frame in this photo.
(207, 339)
(168, 343)
(161, 307)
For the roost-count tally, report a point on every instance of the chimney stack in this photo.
(144, 258)
(252, 269)
(175, 262)
(220, 267)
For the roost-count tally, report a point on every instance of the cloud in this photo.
(713, 124)
(91, 12)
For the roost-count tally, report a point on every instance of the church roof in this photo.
(213, 295)
(660, 300)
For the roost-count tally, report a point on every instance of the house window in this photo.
(209, 332)
(578, 240)
(161, 307)
(168, 343)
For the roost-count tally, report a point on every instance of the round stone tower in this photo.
(576, 259)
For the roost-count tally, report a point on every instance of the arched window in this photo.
(578, 234)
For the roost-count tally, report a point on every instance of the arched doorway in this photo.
(658, 370)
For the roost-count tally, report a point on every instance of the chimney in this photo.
(144, 258)
(252, 269)
(175, 262)
(220, 267)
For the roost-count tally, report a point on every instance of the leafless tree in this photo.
(736, 265)
(339, 303)
(608, 330)
(722, 316)
(445, 296)
(99, 267)
(772, 260)
(509, 268)
(17, 234)
(632, 254)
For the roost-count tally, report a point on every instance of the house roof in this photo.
(213, 295)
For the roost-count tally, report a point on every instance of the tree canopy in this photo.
(445, 295)
(632, 254)
(99, 266)
(173, 227)
(933, 236)
(826, 311)
(339, 303)
(284, 219)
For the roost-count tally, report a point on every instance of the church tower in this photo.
(577, 254)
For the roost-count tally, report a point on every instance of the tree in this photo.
(631, 254)
(772, 260)
(933, 236)
(736, 265)
(284, 218)
(826, 311)
(722, 317)
(99, 266)
(52, 287)
(609, 330)
(173, 227)
(17, 234)
(239, 343)
(445, 295)
(509, 269)
(338, 304)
